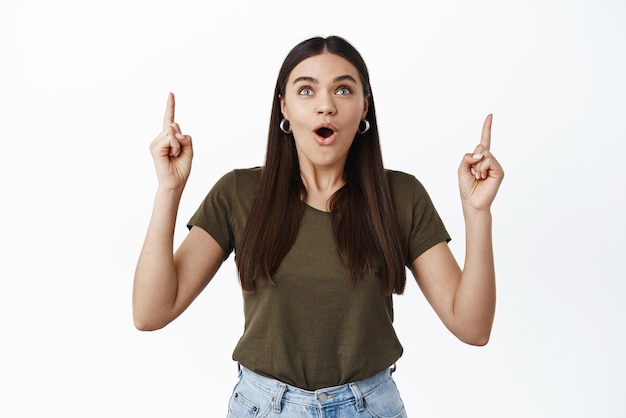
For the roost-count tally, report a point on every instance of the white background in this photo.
(82, 92)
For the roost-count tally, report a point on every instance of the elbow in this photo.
(146, 323)
(142, 326)
(477, 340)
(476, 332)
(473, 335)
(148, 317)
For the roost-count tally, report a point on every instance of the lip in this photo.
(325, 140)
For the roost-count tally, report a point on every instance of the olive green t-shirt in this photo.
(314, 329)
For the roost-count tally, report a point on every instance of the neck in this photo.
(321, 183)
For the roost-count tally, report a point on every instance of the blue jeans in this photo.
(257, 396)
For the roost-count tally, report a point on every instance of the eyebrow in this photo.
(335, 80)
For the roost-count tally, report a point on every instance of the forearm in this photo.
(155, 284)
(475, 299)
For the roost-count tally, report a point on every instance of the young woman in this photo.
(322, 235)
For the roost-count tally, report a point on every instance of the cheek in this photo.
(359, 115)
(297, 115)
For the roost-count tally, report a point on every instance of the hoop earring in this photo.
(282, 126)
(367, 127)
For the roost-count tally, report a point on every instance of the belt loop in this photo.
(239, 370)
(393, 368)
(278, 398)
(358, 396)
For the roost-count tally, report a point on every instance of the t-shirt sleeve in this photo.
(215, 213)
(427, 227)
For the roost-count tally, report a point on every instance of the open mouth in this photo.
(325, 132)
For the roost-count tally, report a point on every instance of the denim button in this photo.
(323, 397)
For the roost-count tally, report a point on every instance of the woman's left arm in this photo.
(465, 299)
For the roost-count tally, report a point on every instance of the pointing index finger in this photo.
(168, 119)
(485, 137)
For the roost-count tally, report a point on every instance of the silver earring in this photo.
(367, 127)
(282, 126)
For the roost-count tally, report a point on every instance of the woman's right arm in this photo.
(166, 282)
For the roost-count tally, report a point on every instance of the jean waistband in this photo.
(320, 397)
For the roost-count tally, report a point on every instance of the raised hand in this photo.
(480, 174)
(172, 152)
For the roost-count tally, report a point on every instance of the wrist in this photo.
(472, 213)
(169, 193)
(173, 188)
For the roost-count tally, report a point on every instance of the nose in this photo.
(325, 105)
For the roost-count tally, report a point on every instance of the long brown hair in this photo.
(363, 218)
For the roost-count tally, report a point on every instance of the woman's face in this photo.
(324, 102)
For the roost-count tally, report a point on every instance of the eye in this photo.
(305, 91)
(344, 91)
